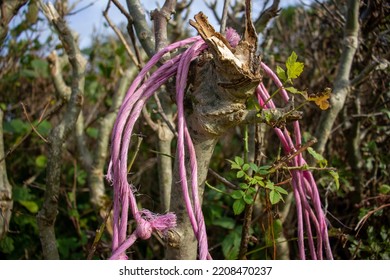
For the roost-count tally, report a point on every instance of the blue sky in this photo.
(90, 20)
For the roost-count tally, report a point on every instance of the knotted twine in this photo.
(124, 192)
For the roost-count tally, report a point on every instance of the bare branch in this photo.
(6, 201)
(47, 215)
(31, 124)
(8, 9)
(160, 19)
(56, 64)
(342, 83)
(267, 15)
(145, 36)
(120, 36)
(224, 16)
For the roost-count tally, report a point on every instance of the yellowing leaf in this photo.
(321, 98)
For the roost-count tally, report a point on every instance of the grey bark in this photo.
(94, 161)
(6, 201)
(47, 215)
(342, 82)
(8, 9)
(182, 244)
(145, 36)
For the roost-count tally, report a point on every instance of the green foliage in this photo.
(323, 163)
(375, 246)
(231, 244)
(294, 70)
(252, 177)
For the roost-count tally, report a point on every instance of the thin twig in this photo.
(53, 111)
(148, 119)
(31, 124)
(99, 233)
(266, 15)
(122, 10)
(362, 221)
(281, 162)
(161, 112)
(223, 180)
(132, 159)
(120, 36)
(224, 16)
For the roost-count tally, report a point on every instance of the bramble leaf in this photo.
(281, 190)
(253, 167)
(319, 158)
(245, 167)
(239, 161)
(335, 176)
(270, 185)
(293, 90)
(237, 194)
(238, 206)
(281, 73)
(240, 174)
(274, 197)
(294, 68)
(248, 199)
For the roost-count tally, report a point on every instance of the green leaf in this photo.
(239, 161)
(7, 245)
(253, 166)
(257, 180)
(92, 132)
(233, 165)
(40, 66)
(270, 185)
(240, 174)
(231, 245)
(21, 193)
(81, 177)
(336, 177)
(319, 158)
(265, 167)
(41, 161)
(384, 189)
(281, 190)
(16, 126)
(268, 116)
(248, 199)
(281, 73)
(43, 128)
(73, 213)
(31, 206)
(245, 167)
(294, 68)
(263, 170)
(243, 186)
(238, 206)
(225, 222)
(237, 194)
(293, 90)
(251, 191)
(274, 197)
